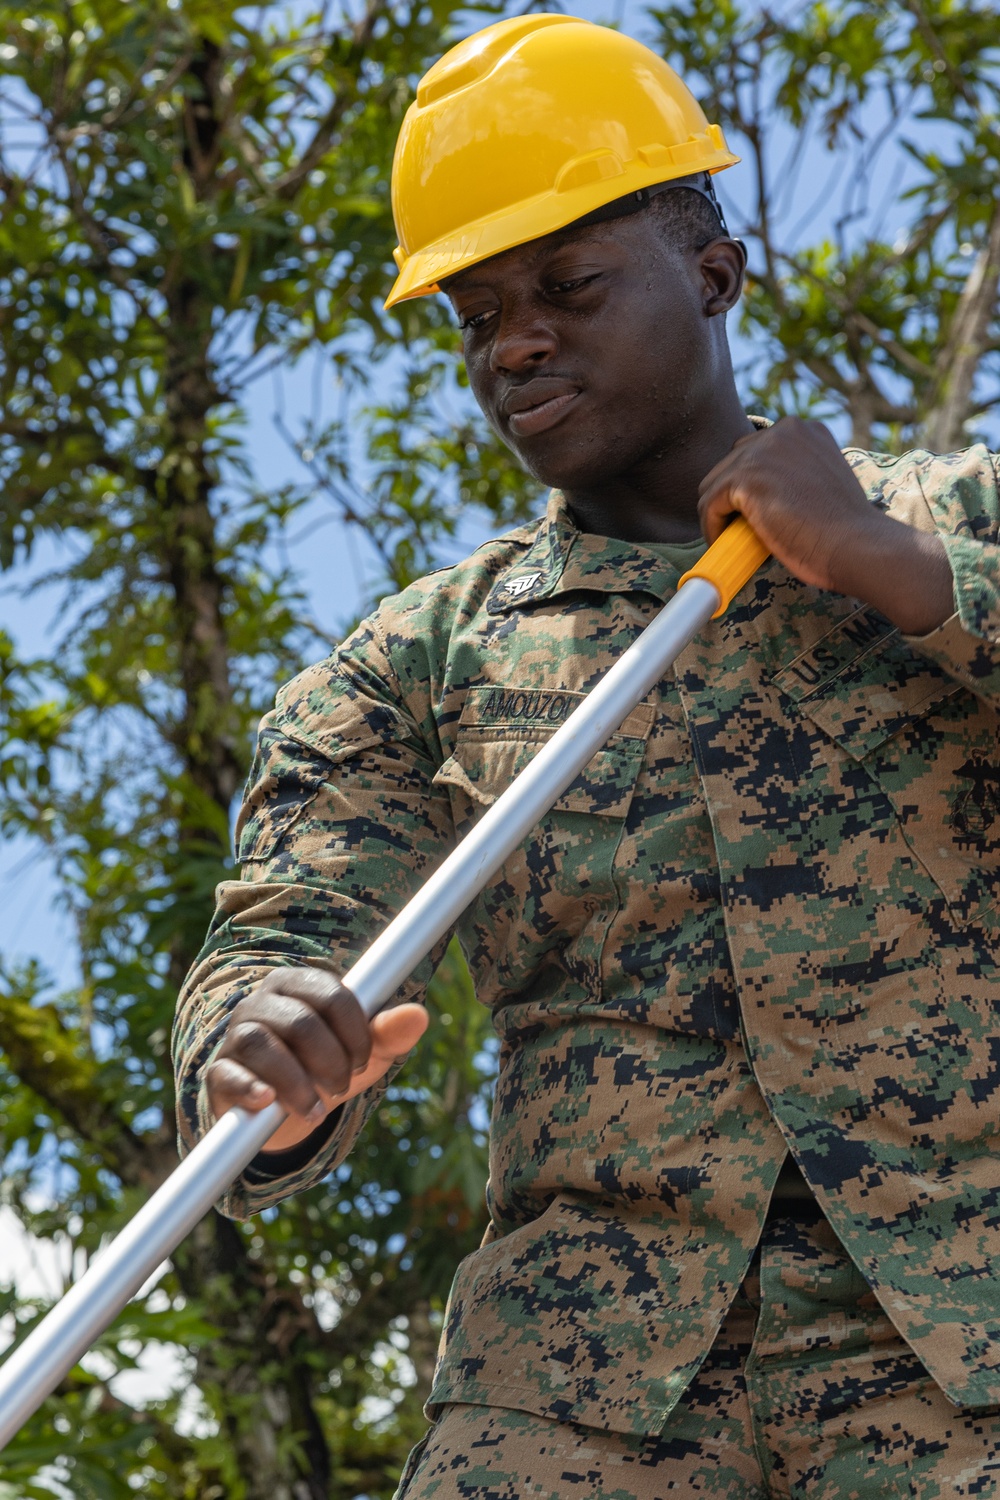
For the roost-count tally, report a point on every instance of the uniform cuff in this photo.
(965, 658)
(271, 1166)
(965, 645)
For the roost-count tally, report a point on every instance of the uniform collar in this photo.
(561, 558)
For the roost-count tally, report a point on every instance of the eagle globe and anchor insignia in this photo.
(976, 805)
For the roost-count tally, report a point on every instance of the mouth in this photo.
(539, 405)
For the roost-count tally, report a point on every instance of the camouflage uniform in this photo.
(808, 1391)
(764, 919)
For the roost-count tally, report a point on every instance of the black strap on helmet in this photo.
(632, 203)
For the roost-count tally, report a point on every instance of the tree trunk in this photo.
(424, 1338)
(944, 428)
(266, 1388)
(205, 735)
(277, 1438)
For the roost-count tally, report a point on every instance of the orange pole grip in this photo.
(730, 562)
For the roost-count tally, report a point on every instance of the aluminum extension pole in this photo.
(48, 1353)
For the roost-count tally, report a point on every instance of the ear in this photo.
(723, 265)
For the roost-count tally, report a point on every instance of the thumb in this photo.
(396, 1032)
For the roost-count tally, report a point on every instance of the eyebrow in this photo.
(558, 240)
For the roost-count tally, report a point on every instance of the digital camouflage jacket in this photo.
(764, 919)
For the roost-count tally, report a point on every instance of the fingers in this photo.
(799, 495)
(719, 493)
(287, 1046)
(299, 1034)
(302, 1038)
(760, 470)
(230, 1084)
(719, 500)
(324, 995)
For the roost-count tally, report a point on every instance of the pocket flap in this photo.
(861, 683)
(501, 731)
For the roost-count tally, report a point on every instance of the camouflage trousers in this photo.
(808, 1392)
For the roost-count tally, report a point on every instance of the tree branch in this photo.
(933, 43)
(47, 1057)
(987, 405)
(892, 346)
(287, 186)
(950, 404)
(45, 438)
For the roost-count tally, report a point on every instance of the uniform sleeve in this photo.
(961, 494)
(340, 824)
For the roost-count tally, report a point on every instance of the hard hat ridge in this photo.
(530, 126)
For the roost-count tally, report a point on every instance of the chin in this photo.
(570, 471)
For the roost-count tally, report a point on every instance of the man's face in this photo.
(590, 351)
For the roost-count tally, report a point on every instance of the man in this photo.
(745, 1202)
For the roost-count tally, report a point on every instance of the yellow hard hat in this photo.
(528, 126)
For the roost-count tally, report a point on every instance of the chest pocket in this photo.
(539, 927)
(928, 743)
(502, 729)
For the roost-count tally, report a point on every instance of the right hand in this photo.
(303, 1039)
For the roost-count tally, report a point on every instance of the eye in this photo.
(475, 320)
(573, 283)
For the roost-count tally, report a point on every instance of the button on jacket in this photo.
(763, 920)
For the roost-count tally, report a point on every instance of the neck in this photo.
(657, 500)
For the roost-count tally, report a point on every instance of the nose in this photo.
(524, 340)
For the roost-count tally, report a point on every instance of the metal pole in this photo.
(53, 1348)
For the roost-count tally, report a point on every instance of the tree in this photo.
(191, 193)
(880, 118)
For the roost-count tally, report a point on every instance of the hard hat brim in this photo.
(533, 219)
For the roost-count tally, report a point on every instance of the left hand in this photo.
(800, 495)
